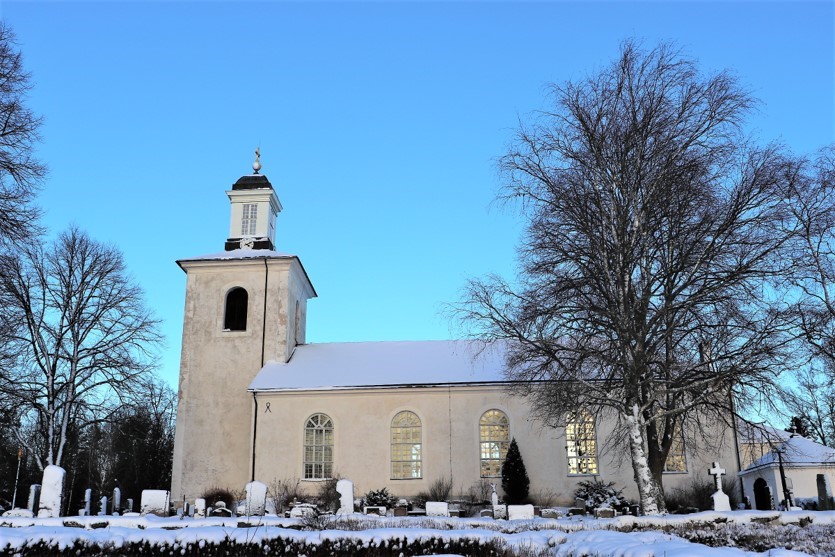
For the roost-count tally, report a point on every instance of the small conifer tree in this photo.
(515, 481)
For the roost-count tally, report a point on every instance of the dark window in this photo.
(235, 317)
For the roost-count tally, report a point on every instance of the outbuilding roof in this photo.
(351, 365)
(799, 452)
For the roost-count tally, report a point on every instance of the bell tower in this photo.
(254, 208)
(244, 307)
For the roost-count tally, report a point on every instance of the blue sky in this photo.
(379, 125)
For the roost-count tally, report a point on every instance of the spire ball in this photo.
(256, 166)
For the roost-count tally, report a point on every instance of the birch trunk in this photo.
(650, 495)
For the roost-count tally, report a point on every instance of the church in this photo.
(257, 402)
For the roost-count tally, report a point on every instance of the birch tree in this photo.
(85, 338)
(650, 271)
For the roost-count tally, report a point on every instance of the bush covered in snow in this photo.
(599, 494)
(379, 498)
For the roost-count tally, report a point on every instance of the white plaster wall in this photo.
(213, 442)
(268, 209)
(450, 440)
(804, 480)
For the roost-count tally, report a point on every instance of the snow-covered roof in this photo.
(347, 365)
(750, 432)
(799, 451)
(240, 254)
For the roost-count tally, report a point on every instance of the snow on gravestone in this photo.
(520, 512)
(345, 488)
(437, 508)
(34, 497)
(256, 498)
(52, 486)
(199, 508)
(154, 501)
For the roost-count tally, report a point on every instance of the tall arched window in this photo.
(405, 446)
(234, 316)
(581, 444)
(494, 436)
(318, 447)
(676, 460)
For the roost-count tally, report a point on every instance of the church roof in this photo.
(350, 365)
(241, 254)
(252, 182)
(799, 452)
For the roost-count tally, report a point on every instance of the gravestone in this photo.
(520, 512)
(437, 508)
(578, 508)
(154, 501)
(116, 508)
(494, 497)
(52, 489)
(200, 508)
(604, 512)
(34, 497)
(103, 506)
(825, 499)
(499, 511)
(721, 502)
(345, 488)
(221, 510)
(302, 509)
(129, 506)
(551, 513)
(88, 502)
(256, 499)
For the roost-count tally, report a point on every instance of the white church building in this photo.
(256, 402)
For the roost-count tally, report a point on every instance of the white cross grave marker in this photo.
(717, 474)
(721, 502)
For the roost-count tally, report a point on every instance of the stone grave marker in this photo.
(520, 512)
(578, 508)
(604, 512)
(825, 500)
(129, 506)
(302, 509)
(256, 498)
(88, 502)
(199, 508)
(437, 508)
(103, 506)
(221, 510)
(52, 489)
(551, 513)
(154, 501)
(494, 497)
(720, 499)
(345, 488)
(116, 507)
(34, 497)
(499, 511)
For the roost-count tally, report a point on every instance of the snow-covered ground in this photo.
(571, 536)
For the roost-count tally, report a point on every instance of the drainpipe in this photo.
(254, 431)
(263, 345)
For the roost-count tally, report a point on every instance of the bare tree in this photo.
(86, 338)
(20, 172)
(649, 285)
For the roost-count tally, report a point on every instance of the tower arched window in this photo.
(494, 436)
(318, 447)
(234, 317)
(581, 444)
(406, 447)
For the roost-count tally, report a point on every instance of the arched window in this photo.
(494, 436)
(318, 447)
(405, 446)
(676, 461)
(581, 444)
(234, 317)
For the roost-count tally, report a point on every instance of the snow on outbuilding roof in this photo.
(799, 452)
(347, 365)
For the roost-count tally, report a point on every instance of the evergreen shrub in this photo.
(515, 481)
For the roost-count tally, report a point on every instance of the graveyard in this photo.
(260, 524)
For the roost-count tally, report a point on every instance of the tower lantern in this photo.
(254, 208)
